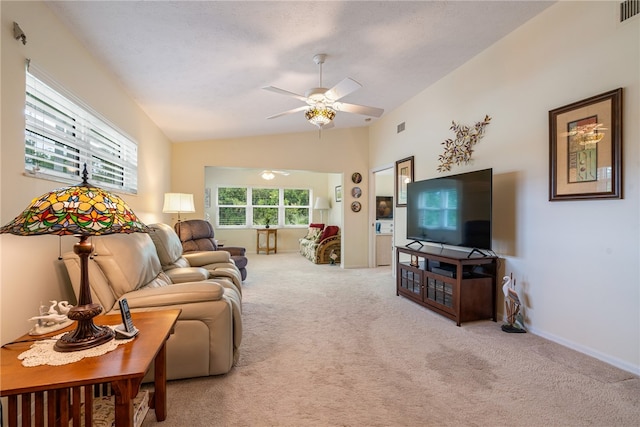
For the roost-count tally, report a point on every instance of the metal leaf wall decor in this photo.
(458, 151)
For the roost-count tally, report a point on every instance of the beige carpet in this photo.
(325, 346)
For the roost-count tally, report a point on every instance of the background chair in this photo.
(198, 235)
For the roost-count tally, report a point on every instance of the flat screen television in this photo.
(453, 210)
(384, 207)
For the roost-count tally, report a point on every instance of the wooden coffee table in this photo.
(64, 387)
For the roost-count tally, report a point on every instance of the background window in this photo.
(296, 207)
(265, 202)
(232, 206)
(255, 206)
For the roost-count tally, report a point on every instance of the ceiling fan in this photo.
(270, 174)
(323, 103)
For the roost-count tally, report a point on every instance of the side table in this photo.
(267, 247)
(57, 391)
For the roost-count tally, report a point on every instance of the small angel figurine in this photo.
(53, 319)
(333, 256)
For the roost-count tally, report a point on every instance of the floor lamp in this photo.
(322, 204)
(178, 203)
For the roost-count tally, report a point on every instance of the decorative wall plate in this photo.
(356, 178)
(356, 192)
(356, 206)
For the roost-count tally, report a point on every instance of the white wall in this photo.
(385, 183)
(320, 185)
(576, 262)
(30, 272)
(334, 216)
(338, 151)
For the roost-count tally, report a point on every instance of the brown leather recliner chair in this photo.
(198, 235)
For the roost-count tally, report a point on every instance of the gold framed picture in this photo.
(585, 149)
(404, 175)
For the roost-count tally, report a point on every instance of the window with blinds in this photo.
(61, 136)
(232, 206)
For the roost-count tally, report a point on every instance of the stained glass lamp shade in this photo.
(83, 210)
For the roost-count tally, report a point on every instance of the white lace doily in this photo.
(42, 352)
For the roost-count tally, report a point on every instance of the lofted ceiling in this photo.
(197, 67)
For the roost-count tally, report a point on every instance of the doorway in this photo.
(382, 217)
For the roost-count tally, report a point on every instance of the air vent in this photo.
(629, 9)
(400, 127)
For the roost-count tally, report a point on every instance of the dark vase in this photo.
(266, 226)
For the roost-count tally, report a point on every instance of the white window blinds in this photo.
(61, 135)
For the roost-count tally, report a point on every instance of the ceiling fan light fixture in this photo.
(320, 116)
(268, 175)
(323, 103)
(316, 95)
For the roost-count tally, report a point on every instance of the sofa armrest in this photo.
(323, 251)
(330, 239)
(181, 293)
(233, 250)
(230, 273)
(201, 258)
(187, 274)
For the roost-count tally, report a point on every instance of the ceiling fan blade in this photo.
(342, 89)
(358, 109)
(285, 92)
(284, 113)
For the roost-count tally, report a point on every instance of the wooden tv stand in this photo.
(454, 283)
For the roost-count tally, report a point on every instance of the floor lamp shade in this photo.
(84, 211)
(178, 203)
(321, 204)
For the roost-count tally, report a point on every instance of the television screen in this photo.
(452, 210)
(384, 207)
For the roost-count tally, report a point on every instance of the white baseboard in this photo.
(624, 365)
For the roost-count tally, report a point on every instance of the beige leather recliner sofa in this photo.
(219, 265)
(208, 332)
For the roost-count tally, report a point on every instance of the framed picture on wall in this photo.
(207, 198)
(384, 207)
(338, 193)
(585, 149)
(404, 175)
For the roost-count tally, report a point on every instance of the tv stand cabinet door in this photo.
(441, 293)
(409, 282)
